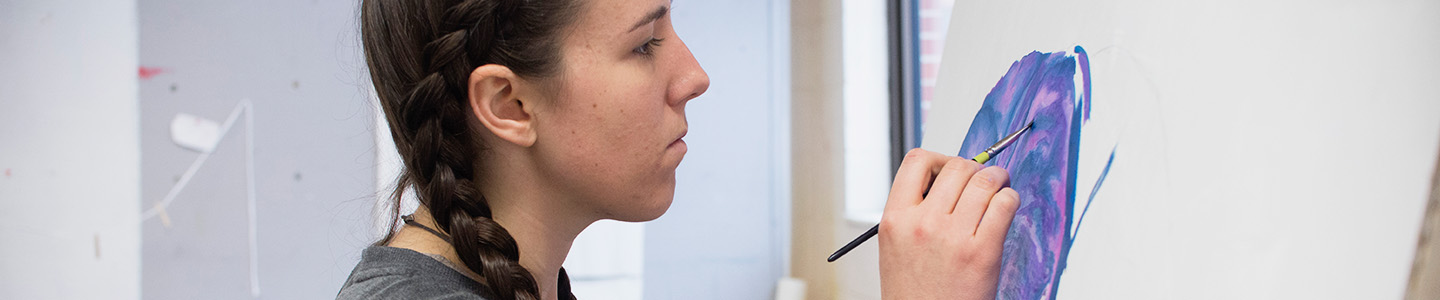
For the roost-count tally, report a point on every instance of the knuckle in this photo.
(916, 158)
(888, 224)
(921, 231)
(916, 153)
(956, 164)
(966, 255)
(900, 232)
(983, 255)
(895, 226)
(987, 258)
(991, 178)
(917, 235)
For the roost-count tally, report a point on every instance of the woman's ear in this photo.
(494, 101)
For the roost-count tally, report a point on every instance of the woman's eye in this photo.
(648, 49)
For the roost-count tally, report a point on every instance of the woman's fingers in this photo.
(914, 177)
(975, 199)
(998, 215)
(957, 187)
(934, 250)
(948, 185)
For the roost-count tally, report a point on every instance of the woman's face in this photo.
(611, 137)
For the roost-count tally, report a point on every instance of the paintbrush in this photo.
(983, 157)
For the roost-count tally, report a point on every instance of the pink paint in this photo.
(7, 172)
(147, 72)
(1038, 89)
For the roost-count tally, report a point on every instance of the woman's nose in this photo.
(691, 80)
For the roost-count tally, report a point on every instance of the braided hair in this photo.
(420, 54)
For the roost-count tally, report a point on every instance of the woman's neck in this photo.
(542, 219)
(543, 238)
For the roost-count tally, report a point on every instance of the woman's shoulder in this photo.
(397, 273)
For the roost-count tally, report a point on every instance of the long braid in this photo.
(424, 98)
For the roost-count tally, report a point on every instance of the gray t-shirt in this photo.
(397, 273)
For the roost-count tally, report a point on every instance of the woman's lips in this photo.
(681, 138)
(679, 141)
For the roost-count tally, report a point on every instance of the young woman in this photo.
(521, 122)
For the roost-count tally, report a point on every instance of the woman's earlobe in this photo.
(494, 102)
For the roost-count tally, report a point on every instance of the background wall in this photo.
(69, 150)
(299, 63)
(727, 234)
(817, 153)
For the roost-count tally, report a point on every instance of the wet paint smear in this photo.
(1040, 87)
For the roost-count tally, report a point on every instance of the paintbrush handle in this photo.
(858, 240)
(873, 231)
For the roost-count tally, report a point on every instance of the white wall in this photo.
(1266, 149)
(69, 150)
(305, 141)
(727, 234)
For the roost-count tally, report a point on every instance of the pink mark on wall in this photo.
(150, 72)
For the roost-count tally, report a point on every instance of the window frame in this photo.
(905, 127)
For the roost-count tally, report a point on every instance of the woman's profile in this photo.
(521, 122)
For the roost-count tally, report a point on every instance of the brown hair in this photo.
(420, 54)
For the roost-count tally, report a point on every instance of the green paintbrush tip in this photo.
(989, 153)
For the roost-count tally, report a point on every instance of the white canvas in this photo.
(1264, 149)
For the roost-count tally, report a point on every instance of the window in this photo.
(933, 24)
(892, 51)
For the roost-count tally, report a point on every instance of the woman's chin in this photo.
(647, 210)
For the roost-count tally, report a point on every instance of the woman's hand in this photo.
(947, 244)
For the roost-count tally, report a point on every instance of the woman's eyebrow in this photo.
(654, 15)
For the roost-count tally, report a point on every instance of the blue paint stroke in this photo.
(1093, 190)
(1039, 87)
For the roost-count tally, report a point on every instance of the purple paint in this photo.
(1039, 87)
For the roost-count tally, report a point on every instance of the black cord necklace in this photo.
(410, 220)
(563, 284)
